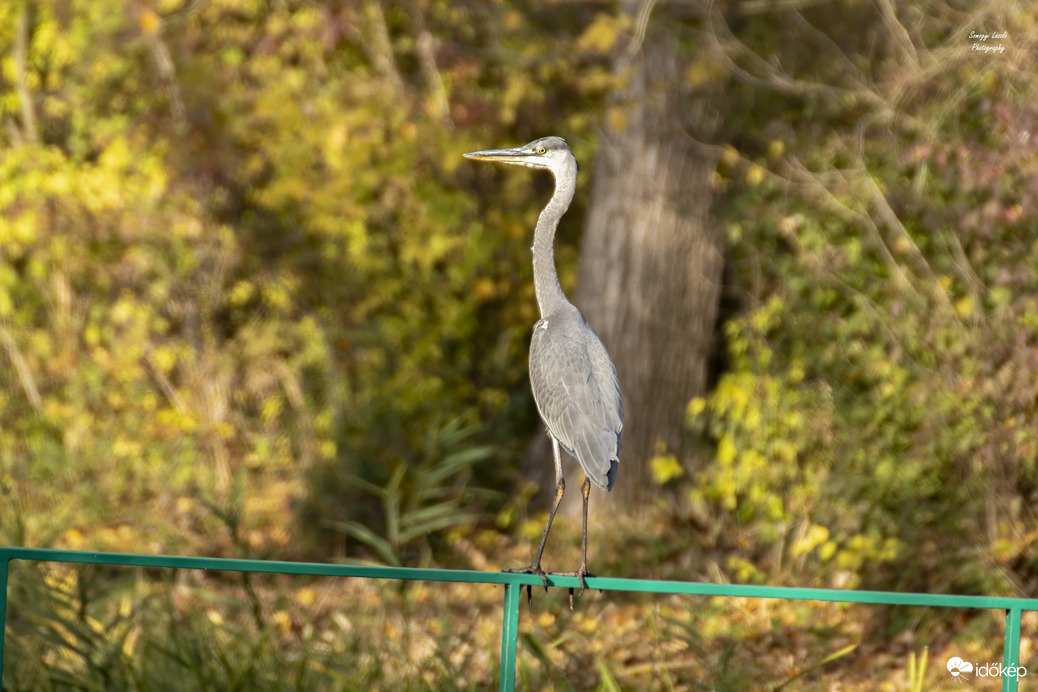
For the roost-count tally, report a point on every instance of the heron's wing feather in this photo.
(577, 392)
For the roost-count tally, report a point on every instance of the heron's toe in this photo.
(579, 574)
(532, 569)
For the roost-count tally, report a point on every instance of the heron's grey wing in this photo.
(577, 393)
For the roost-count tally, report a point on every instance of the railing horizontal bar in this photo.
(475, 577)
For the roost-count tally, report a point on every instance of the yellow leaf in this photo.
(125, 448)
(73, 538)
(306, 596)
(742, 569)
(726, 451)
(729, 155)
(164, 358)
(827, 550)
(812, 538)
(512, 20)
(588, 625)
(23, 230)
(283, 621)
(1004, 549)
(485, 289)
(271, 409)
(130, 642)
(149, 22)
(277, 296)
(338, 136)
(755, 176)
(665, 468)
(698, 73)
(117, 155)
(241, 293)
(600, 36)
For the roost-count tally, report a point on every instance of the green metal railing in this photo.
(514, 583)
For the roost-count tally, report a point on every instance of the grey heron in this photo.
(571, 374)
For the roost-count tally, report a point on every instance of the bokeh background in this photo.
(254, 303)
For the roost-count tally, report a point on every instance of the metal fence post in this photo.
(509, 636)
(1011, 654)
(5, 561)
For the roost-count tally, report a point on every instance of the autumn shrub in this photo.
(876, 424)
(241, 256)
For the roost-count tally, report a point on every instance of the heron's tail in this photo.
(614, 465)
(599, 454)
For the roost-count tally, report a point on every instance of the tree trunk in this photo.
(652, 257)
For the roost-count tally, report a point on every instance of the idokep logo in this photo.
(961, 670)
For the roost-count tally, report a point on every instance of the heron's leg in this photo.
(560, 488)
(582, 571)
(585, 490)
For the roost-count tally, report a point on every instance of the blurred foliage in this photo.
(432, 501)
(94, 628)
(876, 422)
(238, 241)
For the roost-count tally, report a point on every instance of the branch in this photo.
(823, 192)
(898, 31)
(640, 25)
(381, 48)
(151, 27)
(425, 47)
(764, 73)
(21, 367)
(21, 50)
(751, 8)
(164, 384)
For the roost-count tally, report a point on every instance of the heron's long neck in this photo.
(545, 276)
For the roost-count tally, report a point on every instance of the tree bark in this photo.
(652, 257)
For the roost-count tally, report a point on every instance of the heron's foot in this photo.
(579, 574)
(532, 569)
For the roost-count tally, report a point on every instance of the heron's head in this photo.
(547, 153)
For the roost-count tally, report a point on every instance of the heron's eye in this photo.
(541, 150)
